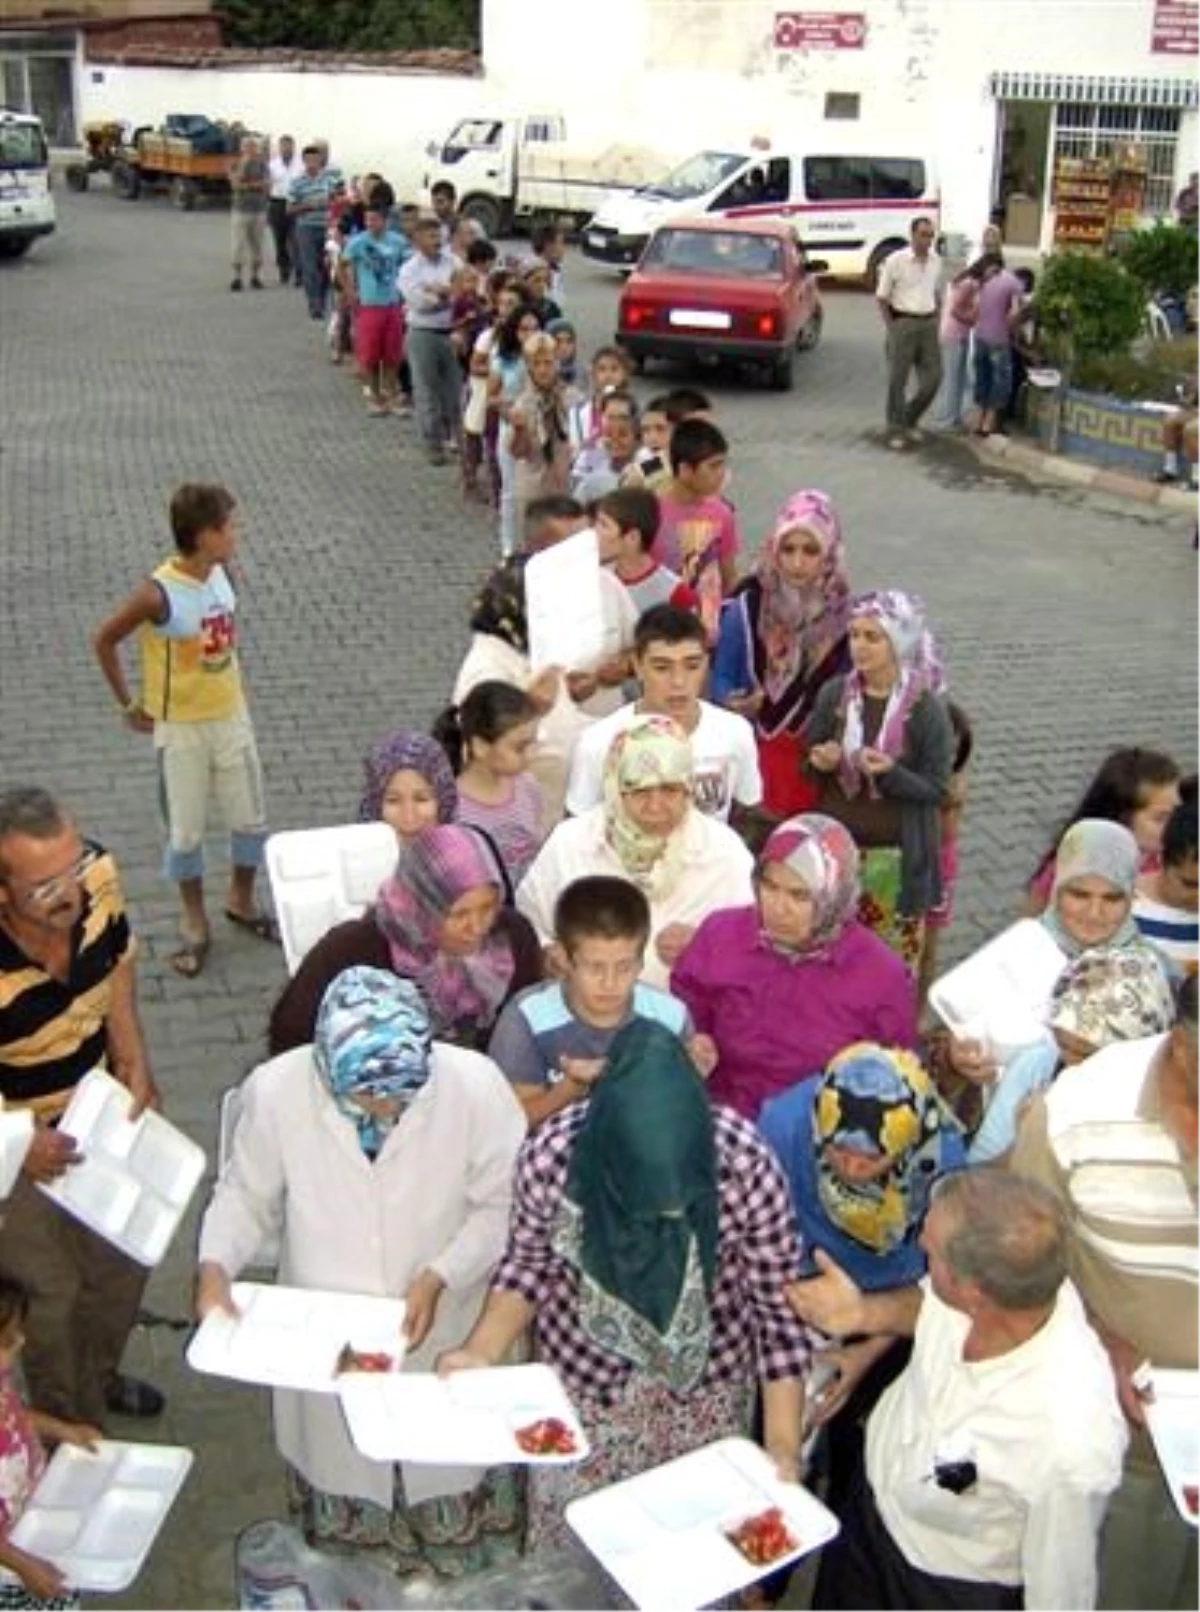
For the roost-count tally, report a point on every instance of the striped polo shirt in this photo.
(320, 188)
(52, 1032)
(538, 1029)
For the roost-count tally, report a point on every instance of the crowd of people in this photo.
(628, 1065)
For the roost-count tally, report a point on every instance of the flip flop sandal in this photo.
(189, 958)
(262, 925)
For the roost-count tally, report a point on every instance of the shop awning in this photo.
(1078, 88)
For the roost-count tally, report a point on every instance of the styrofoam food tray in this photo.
(1001, 994)
(320, 877)
(290, 1337)
(136, 1178)
(470, 1418)
(663, 1534)
(16, 1133)
(96, 1514)
(1173, 1417)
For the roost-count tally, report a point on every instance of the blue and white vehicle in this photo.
(26, 202)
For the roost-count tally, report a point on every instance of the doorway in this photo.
(1020, 197)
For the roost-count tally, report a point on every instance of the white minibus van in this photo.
(26, 204)
(852, 210)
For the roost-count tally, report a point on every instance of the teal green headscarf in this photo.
(640, 1218)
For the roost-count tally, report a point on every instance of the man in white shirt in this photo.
(425, 284)
(908, 293)
(990, 1460)
(670, 655)
(284, 166)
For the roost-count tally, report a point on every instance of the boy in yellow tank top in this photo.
(192, 701)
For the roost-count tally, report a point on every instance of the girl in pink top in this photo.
(960, 310)
(23, 1460)
(489, 739)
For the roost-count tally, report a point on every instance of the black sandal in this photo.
(189, 958)
(262, 925)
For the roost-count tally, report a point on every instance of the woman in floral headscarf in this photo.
(1114, 987)
(882, 746)
(381, 1161)
(783, 636)
(782, 984)
(862, 1149)
(408, 783)
(648, 831)
(439, 921)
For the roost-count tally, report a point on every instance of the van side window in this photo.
(763, 184)
(863, 179)
(897, 179)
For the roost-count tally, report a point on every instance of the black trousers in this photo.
(864, 1568)
(283, 229)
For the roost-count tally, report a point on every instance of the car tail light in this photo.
(636, 315)
(766, 325)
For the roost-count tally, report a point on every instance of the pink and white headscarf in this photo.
(821, 852)
(799, 626)
(919, 671)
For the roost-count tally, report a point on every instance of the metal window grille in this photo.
(1091, 130)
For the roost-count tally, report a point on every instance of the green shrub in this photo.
(1088, 306)
(1162, 258)
(1151, 377)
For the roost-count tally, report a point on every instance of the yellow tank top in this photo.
(190, 667)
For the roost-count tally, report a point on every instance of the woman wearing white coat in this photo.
(382, 1163)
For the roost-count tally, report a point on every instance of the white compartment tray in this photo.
(96, 1514)
(468, 1419)
(1001, 994)
(663, 1535)
(320, 877)
(1173, 1417)
(137, 1177)
(290, 1337)
(16, 1133)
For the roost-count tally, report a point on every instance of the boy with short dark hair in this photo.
(1165, 906)
(626, 525)
(193, 702)
(552, 1039)
(698, 535)
(548, 242)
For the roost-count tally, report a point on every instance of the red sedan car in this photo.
(735, 289)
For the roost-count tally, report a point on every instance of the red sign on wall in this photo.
(821, 30)
(1176, 28)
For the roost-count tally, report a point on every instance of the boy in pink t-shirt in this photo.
(698, 534)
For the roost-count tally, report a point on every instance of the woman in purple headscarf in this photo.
(881, 745)
(439, 921)
(783, 636)
(409, 783)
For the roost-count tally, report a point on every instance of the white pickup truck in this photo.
(512, 172)
(26, 204)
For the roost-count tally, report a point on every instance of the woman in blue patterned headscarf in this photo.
(372, 1049)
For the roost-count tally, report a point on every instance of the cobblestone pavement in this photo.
(1067, 622)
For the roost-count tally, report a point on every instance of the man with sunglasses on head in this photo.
(67, 1005)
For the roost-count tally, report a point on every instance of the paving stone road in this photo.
(1067, 623)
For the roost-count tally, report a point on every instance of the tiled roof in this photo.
(460, 63)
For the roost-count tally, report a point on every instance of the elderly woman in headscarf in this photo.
(408, 783)
(783, 636)
(380, 1162)
(782, 982)
(440, 921)
(882, 746)
(1114, 986)
(862, 1148)
(650, 1241)
(646, 830)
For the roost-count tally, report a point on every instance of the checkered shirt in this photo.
(754, 1332)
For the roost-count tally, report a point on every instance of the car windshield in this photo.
(727, 252)
(697, 176)
(22, 145)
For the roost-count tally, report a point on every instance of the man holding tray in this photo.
(67, 1004)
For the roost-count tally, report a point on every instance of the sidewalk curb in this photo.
(1028, 460)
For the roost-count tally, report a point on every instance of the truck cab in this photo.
(26, 204)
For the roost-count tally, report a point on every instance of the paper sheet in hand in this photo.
(96, 1513)
(470, 1418)
(565, 607)
(16, 1133)
(1173, 1417)
(290, 1337)
(136, 1178)
(664, 1535)
(1001, 994)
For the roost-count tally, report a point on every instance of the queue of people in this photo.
(627, 1064)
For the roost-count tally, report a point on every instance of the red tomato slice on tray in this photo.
(763, 1539)
(550, 1436)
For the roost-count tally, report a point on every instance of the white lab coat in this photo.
(438, 1195)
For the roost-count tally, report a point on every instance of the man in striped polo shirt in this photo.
(1116, 1139)
(308, 208)
(67, 1004)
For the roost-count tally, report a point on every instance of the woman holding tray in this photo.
(382, 1162)
(439, 921)
(651, 1239)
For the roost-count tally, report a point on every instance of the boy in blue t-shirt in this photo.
(370, 264)
(552, 1040)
